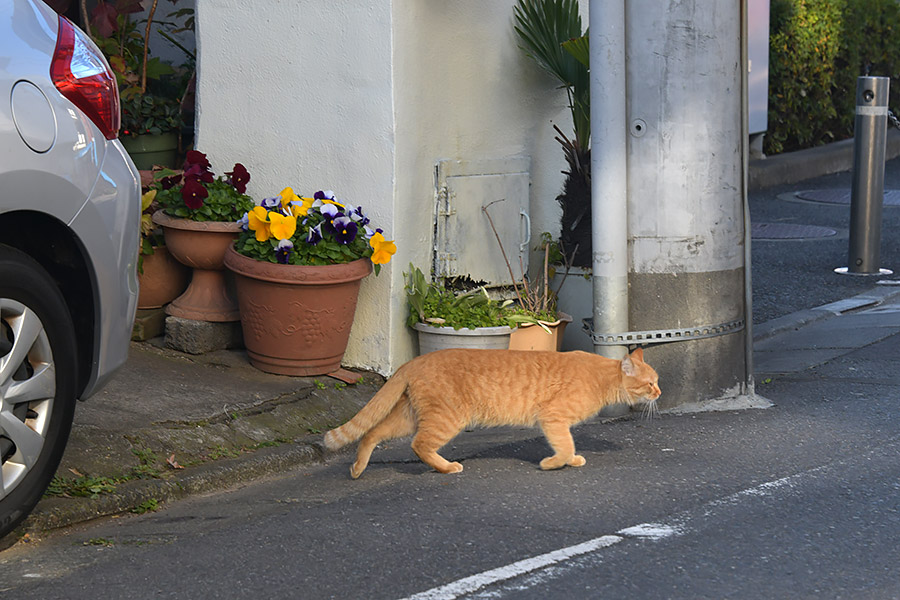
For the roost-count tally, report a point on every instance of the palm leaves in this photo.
(550, 33)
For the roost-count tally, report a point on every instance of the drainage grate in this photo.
(891, 197)
(789, 231)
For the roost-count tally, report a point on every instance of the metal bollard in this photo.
(867, 193)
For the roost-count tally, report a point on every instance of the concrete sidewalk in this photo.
(171, 425)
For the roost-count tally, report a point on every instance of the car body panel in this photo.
(82, 179)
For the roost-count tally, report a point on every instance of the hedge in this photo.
(817, 49)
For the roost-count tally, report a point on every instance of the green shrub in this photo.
(817, 49)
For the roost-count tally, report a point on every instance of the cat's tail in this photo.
(371, 414)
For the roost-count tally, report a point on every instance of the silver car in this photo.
(69, 230)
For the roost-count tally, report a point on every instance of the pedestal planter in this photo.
(296, 319)
(201, 245)
(531, 336)
(163, 279)
(439, 338)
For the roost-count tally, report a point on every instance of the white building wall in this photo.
(364, 98)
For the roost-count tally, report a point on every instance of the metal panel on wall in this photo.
(465, 244)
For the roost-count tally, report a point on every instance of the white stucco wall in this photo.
(364, 98)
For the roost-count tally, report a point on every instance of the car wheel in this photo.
(37, 383)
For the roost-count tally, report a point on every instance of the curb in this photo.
(794, 321)
(792, 167)
(54, 513)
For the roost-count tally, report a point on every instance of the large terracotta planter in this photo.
(531, 336)
(201, 245)
(296, 319)
(163, 279)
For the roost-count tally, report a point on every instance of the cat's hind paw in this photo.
(454, 467)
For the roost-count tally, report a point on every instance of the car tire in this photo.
(37, 395)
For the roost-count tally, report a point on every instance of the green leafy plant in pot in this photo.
(150, 89)
(444, 320)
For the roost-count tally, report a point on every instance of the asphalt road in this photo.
(800, 500)
(796, 274)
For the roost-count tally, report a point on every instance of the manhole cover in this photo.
(891, 197)
(788, 231)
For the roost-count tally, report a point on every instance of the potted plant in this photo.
(298, 264)
(199, 214)
(540, 325)
(444, 320)
(550, 33)
(150, 92)
(161, 277)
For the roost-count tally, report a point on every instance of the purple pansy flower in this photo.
(244, 222)
(315, 235)
(271, 203)
(344, 230)
(283, 251)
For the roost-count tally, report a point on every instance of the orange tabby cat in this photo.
(437, 395)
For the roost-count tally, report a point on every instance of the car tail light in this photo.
(82, 75)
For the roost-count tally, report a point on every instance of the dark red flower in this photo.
(168, 183)
(239, 178)
(198, 172)
(193, 194)
(193, 157)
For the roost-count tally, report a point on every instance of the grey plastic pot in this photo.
(440, 338)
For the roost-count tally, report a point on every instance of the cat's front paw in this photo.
(576, 461)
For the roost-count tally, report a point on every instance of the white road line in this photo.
(677, 525)
(458, 588)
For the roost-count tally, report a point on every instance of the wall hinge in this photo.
(445, 207)
(446, 264)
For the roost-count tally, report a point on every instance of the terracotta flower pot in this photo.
(163, 279)
(201, 245)
(296, 319)
(531, 336)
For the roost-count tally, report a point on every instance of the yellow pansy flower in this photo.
(301, 206)
(383, 249)
(282, 227)
(288, 197)
(258, 221)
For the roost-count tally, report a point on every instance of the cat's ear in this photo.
(638, 354)
(628, 367)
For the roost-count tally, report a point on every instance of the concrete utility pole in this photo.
(609, 200)
(684, 151)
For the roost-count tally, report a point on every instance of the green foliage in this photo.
(150, 103)
(430, 303)
(146, 506)
(817, 49)
(82, 486)
(149, 114)
(550, 33)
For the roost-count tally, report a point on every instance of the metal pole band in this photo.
(661, 336)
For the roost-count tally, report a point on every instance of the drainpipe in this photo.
(609, 200)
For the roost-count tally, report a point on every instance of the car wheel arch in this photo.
(57, 249)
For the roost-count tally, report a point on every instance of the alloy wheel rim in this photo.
(27, 391)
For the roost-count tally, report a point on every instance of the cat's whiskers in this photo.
(650, 410)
